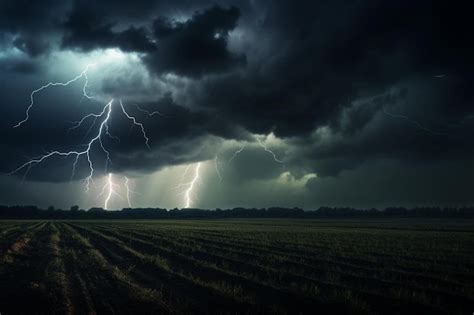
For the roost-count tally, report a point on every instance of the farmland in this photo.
(384, 266)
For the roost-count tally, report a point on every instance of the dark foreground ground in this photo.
(237, 266)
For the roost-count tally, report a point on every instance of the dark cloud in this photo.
(24, 15)
(31, 23)
(341, 83)
(323, 58)
(191, 48)
(31, 45)
(197, 46)
(86, 29)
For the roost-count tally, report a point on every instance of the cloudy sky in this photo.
(236, 103)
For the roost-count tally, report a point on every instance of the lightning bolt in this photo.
(190, 185)
(109, 187)
(187, 194)
(106, 111)
(264, 147)
(83, 74)
(110, 184)
(128, 191)
(136, 123)
(96, 141)
(237, 153)
(413, 122)
(150, 114)
(216, 166)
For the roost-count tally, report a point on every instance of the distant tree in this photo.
(75, 208)
(96, 209)
(51, 208)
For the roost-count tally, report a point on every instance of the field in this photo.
(237, 266)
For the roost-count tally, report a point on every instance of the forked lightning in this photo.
(95, 141)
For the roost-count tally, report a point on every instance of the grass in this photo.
(237, 266)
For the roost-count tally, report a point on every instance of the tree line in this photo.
(33, 212)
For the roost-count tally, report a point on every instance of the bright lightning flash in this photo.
(109, 187)
(188, 192)
(83, 74)
(135, 123)
(106, 111)
(190, 185)
(95, 141)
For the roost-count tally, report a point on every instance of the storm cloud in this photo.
(336, 90)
